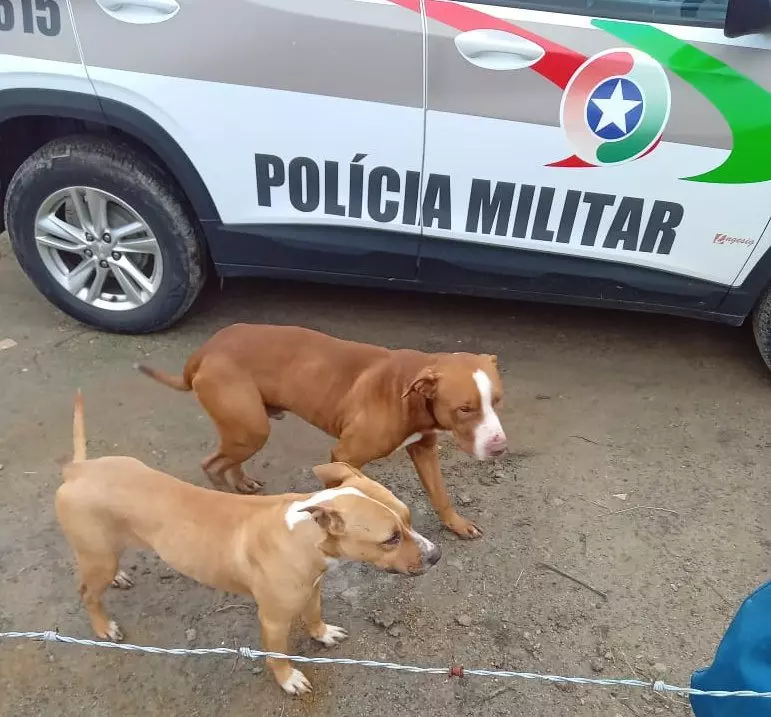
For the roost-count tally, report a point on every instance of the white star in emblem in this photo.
(615, 109)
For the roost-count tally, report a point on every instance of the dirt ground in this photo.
(669, 414)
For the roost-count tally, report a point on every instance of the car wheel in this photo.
(761, 326)
(105, 235)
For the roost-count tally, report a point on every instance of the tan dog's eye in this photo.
(394, 539)
(465, 409)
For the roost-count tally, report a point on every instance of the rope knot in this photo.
(659, 686)
(50, 636)
(247, 652)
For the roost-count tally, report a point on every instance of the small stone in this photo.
(597, 664)
(350, 596)
(493, 478)
(257, 670)
(1, 466)
(608, 655)
(542, 397)
(556, 502)
(384, 619)
(465, 499)
(660, 669)
(527, 635)
(395, 631)
(620, 496)
(191, 634)
(463, 620)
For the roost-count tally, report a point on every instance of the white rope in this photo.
(248, 652)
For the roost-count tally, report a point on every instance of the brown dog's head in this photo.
(364, 521)
(464, 391)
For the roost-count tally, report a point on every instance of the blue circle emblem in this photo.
(615, 108)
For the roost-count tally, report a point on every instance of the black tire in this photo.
(117, 168)
(761, 326)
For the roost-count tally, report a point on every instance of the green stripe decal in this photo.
(745, 105)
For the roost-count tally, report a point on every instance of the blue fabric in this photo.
(742, 662)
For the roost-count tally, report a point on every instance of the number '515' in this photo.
(43, 16)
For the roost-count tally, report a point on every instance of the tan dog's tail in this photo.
(78, 430)
(176, 382)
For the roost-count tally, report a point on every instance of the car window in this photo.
(704, 13)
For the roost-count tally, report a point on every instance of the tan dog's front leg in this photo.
(327, 635)
(275, 638)
(425, 457)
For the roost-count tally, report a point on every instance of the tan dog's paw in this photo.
(297, 684)
(122, 580)
(331, 636)
(113, 632)
(463, 528)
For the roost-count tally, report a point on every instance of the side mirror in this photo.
(745, 17)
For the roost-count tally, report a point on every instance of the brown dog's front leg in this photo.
(425, 457)
(327, 635)
(275, 638)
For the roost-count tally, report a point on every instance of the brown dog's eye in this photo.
(465, 409)
(394, 539)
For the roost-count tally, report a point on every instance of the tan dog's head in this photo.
(364, 521)
(464, 391)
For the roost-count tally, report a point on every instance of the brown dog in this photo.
(372, 399)
(274, 548)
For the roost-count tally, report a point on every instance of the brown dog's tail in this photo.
(179, 383)
(78, 430)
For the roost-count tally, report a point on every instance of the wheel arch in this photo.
(29, 118)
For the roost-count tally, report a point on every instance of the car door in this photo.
(611, 151)
(303, 118)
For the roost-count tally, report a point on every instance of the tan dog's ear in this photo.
(333, 475)
(493, 358)
(328, 519)
(424, 383)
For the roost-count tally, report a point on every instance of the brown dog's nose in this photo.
(497, 445)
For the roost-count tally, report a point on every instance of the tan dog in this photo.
(274, 548)
(372, 399)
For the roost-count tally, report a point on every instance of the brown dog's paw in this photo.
(463, 528)
(248, 486)
(122, 580)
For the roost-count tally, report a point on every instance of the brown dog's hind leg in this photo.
(238, 412)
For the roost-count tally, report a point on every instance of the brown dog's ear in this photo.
(424, 383)
(328, 519)
(493, 358)
(333, 475)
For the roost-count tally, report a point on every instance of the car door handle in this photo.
(498, 50)
(140, 11)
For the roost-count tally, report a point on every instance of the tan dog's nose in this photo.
(434, 555)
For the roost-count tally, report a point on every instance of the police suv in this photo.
(613, 153)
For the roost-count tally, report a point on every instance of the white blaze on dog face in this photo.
(464, 391)
(488, 435)
(365, 522)
(297, 511)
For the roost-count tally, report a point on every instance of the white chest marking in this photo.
(490, 425)
(412, 438)
(297, 513)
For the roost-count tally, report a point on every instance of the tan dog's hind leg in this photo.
(327, 635)
(238, 412)
(97, 572)
(425, 457)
